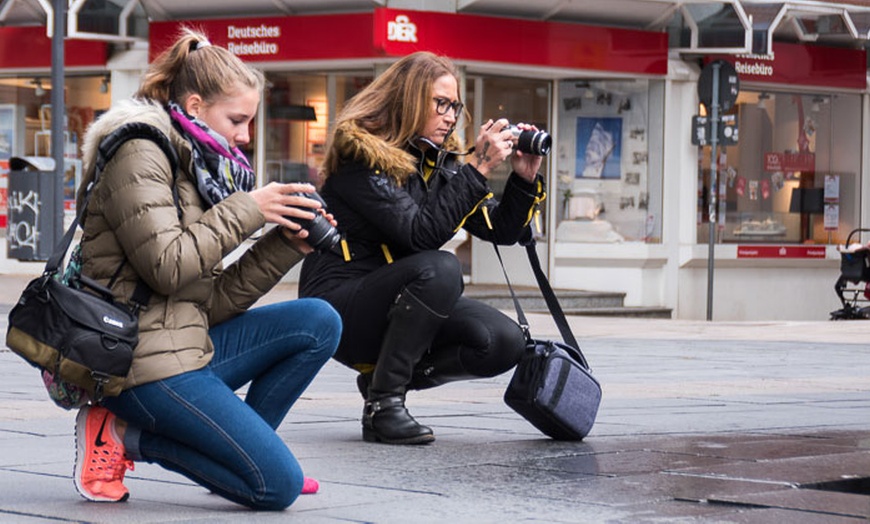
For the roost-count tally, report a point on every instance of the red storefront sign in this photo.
(808, 65)
(394, 32)
(780, 251)
(508, 40)
(789, 162)
(29, 47)
(275, 39)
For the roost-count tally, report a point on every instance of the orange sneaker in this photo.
(100, 461)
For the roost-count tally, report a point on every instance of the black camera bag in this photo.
(552, 386)
(78, 332)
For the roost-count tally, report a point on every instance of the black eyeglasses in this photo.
(443, 104)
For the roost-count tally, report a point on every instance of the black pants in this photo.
(486, 342)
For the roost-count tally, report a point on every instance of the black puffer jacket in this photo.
(381, 220)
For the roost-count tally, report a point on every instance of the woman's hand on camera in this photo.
(284, 204)
(297, 237)
(493, 145)
(281, 203)
(526, 165)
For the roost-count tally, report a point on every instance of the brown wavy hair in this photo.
(394, 107)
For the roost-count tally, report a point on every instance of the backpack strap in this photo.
(109, 145)
(131, 131)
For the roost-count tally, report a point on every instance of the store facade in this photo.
(25, 115)
(789, 191)
(627, 205)
(561, 77)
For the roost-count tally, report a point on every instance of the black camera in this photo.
(322, 236)
(531, 142)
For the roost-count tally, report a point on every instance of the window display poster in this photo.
(599, 148)
(832, 217)
(832, 188)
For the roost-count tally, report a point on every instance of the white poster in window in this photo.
(832, 188)
(832, 216)
(599, 148)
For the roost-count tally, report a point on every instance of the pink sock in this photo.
(310, 486)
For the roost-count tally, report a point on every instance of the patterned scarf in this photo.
(219, 169)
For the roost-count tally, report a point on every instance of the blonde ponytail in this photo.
(192, 65)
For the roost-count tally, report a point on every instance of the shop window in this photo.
(297, 122)
(26, 124)
(608, 161)
(793, 176)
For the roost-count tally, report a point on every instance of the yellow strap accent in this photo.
(485, 212)
(345, 250)
(534, 209)
(462, 222)
(387, 254)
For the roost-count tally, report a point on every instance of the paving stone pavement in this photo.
(730, 422)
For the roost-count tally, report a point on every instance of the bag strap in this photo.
(550, 298)
(107, 148)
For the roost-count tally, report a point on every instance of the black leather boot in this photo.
(386, 420)
(363, 381)
(412, 327)
(439, 368)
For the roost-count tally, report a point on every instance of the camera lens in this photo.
(322, 236)
(532, 142)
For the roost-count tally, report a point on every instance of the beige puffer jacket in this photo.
(132, 215)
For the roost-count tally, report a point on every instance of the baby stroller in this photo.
(853, 286)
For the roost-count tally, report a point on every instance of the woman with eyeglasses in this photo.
(396, 185)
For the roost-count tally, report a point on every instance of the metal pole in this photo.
(58, 112)
(714, 185)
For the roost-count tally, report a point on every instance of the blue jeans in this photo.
(196, 425)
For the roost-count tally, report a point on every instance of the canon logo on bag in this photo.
(112, 322)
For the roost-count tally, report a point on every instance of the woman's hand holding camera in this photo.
(526, 165)
(281, 203)
(495, 143)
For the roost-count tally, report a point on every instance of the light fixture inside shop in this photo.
(104, 84)
(817, 102)
(762, 100)
(293, 112)
(38, 90)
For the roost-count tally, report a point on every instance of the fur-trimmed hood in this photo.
(353, 143)
(126, 111)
